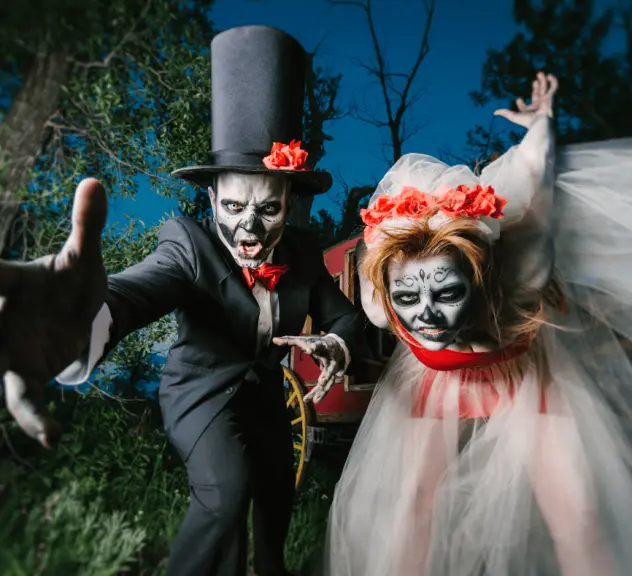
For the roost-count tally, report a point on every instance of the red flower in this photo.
(286, 156)
(411, 203)
(381, 210)
(473, 202)
(462, 202)
(455, 202)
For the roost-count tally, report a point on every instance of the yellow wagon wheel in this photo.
(301, 416)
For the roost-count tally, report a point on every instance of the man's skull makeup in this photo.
(250, 211)
(430, 297)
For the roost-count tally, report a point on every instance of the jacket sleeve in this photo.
(331, 310)
(156, 286)
(139, 296)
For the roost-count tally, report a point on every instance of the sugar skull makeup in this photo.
(250, 211)
(431, 298)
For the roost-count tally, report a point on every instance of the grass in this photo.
(111, 498)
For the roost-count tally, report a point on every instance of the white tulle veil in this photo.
(415, 500)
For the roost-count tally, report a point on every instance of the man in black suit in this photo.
(238, 283)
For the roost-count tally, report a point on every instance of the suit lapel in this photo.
(241, 307)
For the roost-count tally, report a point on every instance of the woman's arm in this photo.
(527, 237)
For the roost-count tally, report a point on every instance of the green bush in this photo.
(71, 532)
(110, 498)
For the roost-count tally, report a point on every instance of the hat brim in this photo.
(309, 182)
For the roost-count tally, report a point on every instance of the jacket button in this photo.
(229, 390)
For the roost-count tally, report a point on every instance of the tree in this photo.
(396, 88)
(566, 38)
(134, 106)
(330, 231)
(90, 74)
(398, 98)
(321, 107)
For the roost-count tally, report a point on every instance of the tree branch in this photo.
(105, 63)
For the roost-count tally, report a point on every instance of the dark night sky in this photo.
(462, 32)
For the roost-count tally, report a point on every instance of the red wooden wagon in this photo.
(336, 418)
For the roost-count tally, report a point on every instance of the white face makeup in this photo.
(430, 296)
(250, 211)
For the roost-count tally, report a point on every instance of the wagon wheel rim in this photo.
(300, 418)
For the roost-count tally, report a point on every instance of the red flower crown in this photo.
(286, 156)
(459, 202)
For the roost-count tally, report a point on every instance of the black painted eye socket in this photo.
(271, 209)
(404, 299)
(451, 295)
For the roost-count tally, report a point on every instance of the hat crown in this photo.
(258, 89)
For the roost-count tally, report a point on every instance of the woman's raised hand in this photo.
(544, 88)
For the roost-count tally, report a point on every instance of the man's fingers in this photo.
(309, 397)
(299, 341)
(328, 374)
(89, 213)
(24, 402)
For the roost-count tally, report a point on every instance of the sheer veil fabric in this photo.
(528, 491)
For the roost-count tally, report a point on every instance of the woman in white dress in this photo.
(496, 441)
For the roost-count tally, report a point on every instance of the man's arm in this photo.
(139, 296)
(333, 313)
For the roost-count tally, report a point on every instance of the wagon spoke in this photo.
(296, 420)
(298, 447)
(291, 399)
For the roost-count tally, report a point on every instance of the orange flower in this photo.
(455, 202)
(412, 203)
(286, 156)
(381, 210)
(473, 202)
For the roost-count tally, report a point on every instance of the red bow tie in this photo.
(267, 273)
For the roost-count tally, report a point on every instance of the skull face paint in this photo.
(430, 297)
(250, 211)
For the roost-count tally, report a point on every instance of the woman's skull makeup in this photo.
(431, 298)
(250, 211)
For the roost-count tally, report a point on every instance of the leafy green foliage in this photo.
(113, 494)
(70, 533)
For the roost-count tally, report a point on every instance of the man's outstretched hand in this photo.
(46, 311)
(325, 350)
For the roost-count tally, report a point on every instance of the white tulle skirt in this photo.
(543, 487)
(531, 491)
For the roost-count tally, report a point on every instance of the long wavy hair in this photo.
(499, 310)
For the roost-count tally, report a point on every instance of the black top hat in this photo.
(258, 92)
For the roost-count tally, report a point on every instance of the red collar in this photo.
(446, 360)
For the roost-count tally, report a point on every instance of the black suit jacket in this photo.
(193, 274)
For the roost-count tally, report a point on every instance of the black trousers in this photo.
(244, 455)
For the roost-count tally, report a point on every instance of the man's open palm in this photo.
(46, 311)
